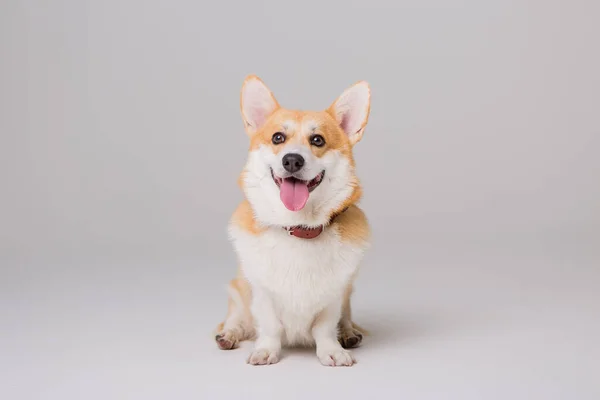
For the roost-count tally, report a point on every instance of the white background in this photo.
(121, 142)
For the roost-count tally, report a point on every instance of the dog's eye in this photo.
(278, 138)
(317, 140)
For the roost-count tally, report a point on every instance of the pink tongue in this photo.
(293, 194)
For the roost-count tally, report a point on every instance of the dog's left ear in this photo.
(351, 110)
(257, 103)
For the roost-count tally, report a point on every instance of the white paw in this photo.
(263, 357)
(336, 357)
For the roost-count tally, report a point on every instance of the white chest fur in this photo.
(301, 276)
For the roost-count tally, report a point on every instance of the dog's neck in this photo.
(305, 232)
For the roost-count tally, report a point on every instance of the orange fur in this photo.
(243, 217)
(352, 225)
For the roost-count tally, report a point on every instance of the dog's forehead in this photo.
(302, 123)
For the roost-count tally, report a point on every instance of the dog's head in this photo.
(300, 169)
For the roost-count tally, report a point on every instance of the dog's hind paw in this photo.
(350, 338)
(226, 340)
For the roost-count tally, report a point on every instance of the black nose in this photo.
(293, 162)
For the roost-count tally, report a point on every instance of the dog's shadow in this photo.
(393, 330)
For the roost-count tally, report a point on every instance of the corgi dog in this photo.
(298, 234)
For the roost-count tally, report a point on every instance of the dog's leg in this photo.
(238, 324)
(268, 344)
(324, 331)
(348, 333)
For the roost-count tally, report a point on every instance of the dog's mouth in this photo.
(294, 192)
(311, 185)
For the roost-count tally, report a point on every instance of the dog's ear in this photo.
(351, 110)
(256, 103)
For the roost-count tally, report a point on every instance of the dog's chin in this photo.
(293, 191)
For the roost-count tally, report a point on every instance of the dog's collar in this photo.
(304, 232)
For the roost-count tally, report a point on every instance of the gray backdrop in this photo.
(121, 142)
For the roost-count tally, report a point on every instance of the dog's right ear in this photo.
(257, 103)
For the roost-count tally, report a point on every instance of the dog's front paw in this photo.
(263, 357)
(336, 357)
